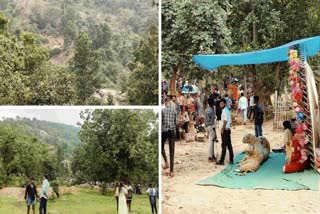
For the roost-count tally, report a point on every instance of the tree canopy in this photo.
(216, 27)
(118, 145)
(43, 43)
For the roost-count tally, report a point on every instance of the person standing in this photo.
(218, 110)
(243, 105)
(257, 116)
(210, 124)
(251, 105)
(199, 105)
(185, 115)
(129, 195)
(225, 133)
(182, 101)
(116, 194)
(123, 209)
(175, 105)
(169, 123)
(152, 193)
(44, 195)
(30, 195)
(228, 101)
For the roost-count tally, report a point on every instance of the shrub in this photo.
(54, 52)
(55, 187)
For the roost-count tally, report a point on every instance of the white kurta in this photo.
(123, 209)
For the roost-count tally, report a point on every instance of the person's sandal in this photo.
(171, 174)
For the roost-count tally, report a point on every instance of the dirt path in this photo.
(181, 195)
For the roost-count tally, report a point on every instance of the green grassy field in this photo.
(86, 201)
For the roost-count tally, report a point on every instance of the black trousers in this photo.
(153, 203)
(250, 111)
(43, 206)
(168, 135)
(226, 143)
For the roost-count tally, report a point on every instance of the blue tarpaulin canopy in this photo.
(309, 47)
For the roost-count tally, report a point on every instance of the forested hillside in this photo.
(54, 134)
(33, 148)
(76, 48)
(110, 145)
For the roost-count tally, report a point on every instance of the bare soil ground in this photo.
(180, 194)
(118, 98)
(18, 193)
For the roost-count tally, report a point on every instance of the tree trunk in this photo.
(172, 84)
(278, 77)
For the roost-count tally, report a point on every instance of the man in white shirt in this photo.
(44, 195)
(152, 192)
(225, 133)
(243, 106)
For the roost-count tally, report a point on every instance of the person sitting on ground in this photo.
(287, 136)
(30, 195)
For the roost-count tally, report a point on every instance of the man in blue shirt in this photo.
(225, 133)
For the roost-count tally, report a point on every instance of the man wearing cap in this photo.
(169, 123)
(225, 133)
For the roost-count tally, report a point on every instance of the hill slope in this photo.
(51, 133)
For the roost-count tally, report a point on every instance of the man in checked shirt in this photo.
(169, 123)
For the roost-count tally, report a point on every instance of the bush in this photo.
(55, 187)
(104, 188)
(17, 181)
(54, 52)
(110, 99)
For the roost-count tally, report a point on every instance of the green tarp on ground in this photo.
(268, 176)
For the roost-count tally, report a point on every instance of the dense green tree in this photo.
(21, 155)
(142, 85)
(259, 25)
(118, 145)
(188, 29)
(26, 75)
(85, 65)
(102, 36)
(69, 33)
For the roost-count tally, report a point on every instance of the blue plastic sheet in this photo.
(309, 46)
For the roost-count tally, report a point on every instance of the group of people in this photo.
(124, 193)
(176, 114)
(31, 194)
